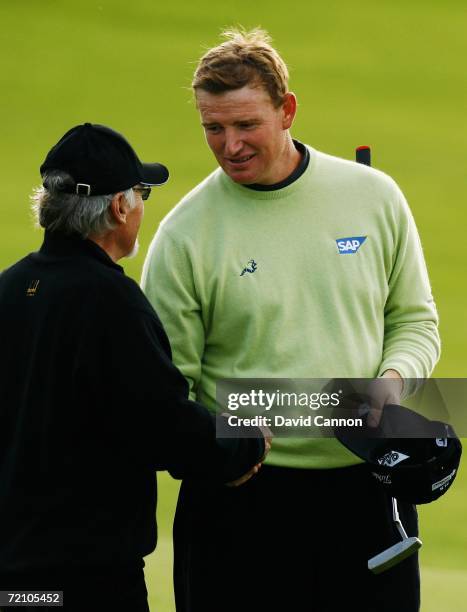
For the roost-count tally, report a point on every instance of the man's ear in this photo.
(119, 208)
(289, 110)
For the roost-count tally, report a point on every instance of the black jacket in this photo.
(90, 407)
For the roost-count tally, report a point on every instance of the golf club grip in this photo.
(363, 155)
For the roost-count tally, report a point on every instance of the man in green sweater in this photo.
(286, 262)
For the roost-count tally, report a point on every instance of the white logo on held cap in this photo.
(442, 483)
(392, 458)
(384, 478)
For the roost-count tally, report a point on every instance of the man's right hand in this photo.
(267, 433)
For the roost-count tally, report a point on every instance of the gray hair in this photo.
(70, 213)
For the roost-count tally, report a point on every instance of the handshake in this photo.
(383, 391)
(267, 433)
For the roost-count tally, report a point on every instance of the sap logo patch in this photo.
(350, 244)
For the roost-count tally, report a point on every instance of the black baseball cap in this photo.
(414, 469)
(100, 161)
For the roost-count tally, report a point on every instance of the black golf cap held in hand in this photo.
(101, 161)
(414, 469)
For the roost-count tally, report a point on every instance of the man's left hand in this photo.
(384, 390)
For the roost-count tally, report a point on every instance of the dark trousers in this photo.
(84, 590)
(292, 540)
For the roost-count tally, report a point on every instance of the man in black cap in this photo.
(90, 402)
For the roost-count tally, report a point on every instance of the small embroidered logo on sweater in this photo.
(250, 267)
(350, 245)
(32, 289)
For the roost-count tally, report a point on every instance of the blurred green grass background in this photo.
(390, 74)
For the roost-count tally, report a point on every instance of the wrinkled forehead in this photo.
(234, 104)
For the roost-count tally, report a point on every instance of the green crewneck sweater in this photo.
(338, 287)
